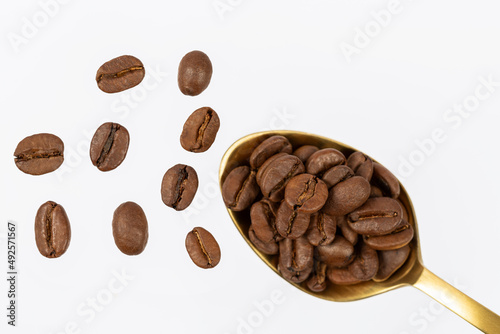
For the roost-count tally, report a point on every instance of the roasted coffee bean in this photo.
(200, 130)
(321, 229)
(304, 152)
(291, 223)
(346, 230)
(195, 73)
(296, 255)
(306, 193)
(405, 211)
(365, 265)
(376, 192)
(52, 230)
(317, 282)
(179, 186)
(263, 217)
(378, 216)
(385, 180)
(120, 74)
(341, 276)
(322, 160)
(269, 248)
(337, 254)
(109, 146)
(269, 147)
(346, 196)
(202, 248)
(295, 276)
(277, 174)
(266, 164)
(130, 228)
(39, 154)
(398, 238)
(240, 189)
(361, 164)
(390, 261)
(337, 174)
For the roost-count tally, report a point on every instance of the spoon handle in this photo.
(458, 302)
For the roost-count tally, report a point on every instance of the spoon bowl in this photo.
(412, 272)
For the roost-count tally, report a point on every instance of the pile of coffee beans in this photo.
(324, 216)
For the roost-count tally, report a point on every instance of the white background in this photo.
(276, 64)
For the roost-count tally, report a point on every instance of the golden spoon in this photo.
(411, 273)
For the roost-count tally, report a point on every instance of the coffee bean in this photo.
(390, 261)
(195, 73)
(269, 147)
(405, 211)
(346, 196)
(346, 230)
(295, 276)
(200, 130)
(361, 164)
(365, 265)
(341, 276)
(304, 152)
(337, 174)
(337, 254)
(269, 248)
(398, 238)
(263, 217)
(277, 174)
(290, 223)
(306, 193)
(202, 248)
(240, 189)
(39, 154)
(321, 230)
(322, 160)
(376, 192)
(52, 230)
(317, 282)
(178, 187)
(130, 228)
(109, 146)
(266, 164)
(296, 255)
(378, 216)
(385, 180)
(119, 74)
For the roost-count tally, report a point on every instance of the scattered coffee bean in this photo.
(178, 187)
(52, 230)
(120, 74)
(322, 160)
(361, 164)
(398, 238)
(39, 154)
(385, 180)
(390, 261)
(321, 230)
(240, 189)
(290, 223)
(346, 196)
(202, 248)
(378, 216)
(304, 152)
(195, 73)
(200, 130)
(109, 146)
(130, 228)
(269, 147)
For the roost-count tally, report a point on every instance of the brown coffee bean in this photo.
(200, 130)
(195, 73)
(390, 261)
(277, 174)
(269, 147)
(306, 193)
(376, 192)
(398, 238)
(130, 228)
(39, 154)
(52, 230)
(119, 74)
(346, 196)
(323, 160)
(337, 174)
(317, 282)
(240, 189)
(378, 216)
(321, 230)
(346, 230)
(109, 146)
(405, 211)
(295, 276)
(385, 180)
(263, 217)
(269, 248)
(337, 254)
(361, 164)
(304, 152)
(290, 223)
(341, 276)
(296, 255)
(178, 187)
(365, 265)
(202, 248)
(266, 164)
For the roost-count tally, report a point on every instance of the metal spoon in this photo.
(411, 273)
